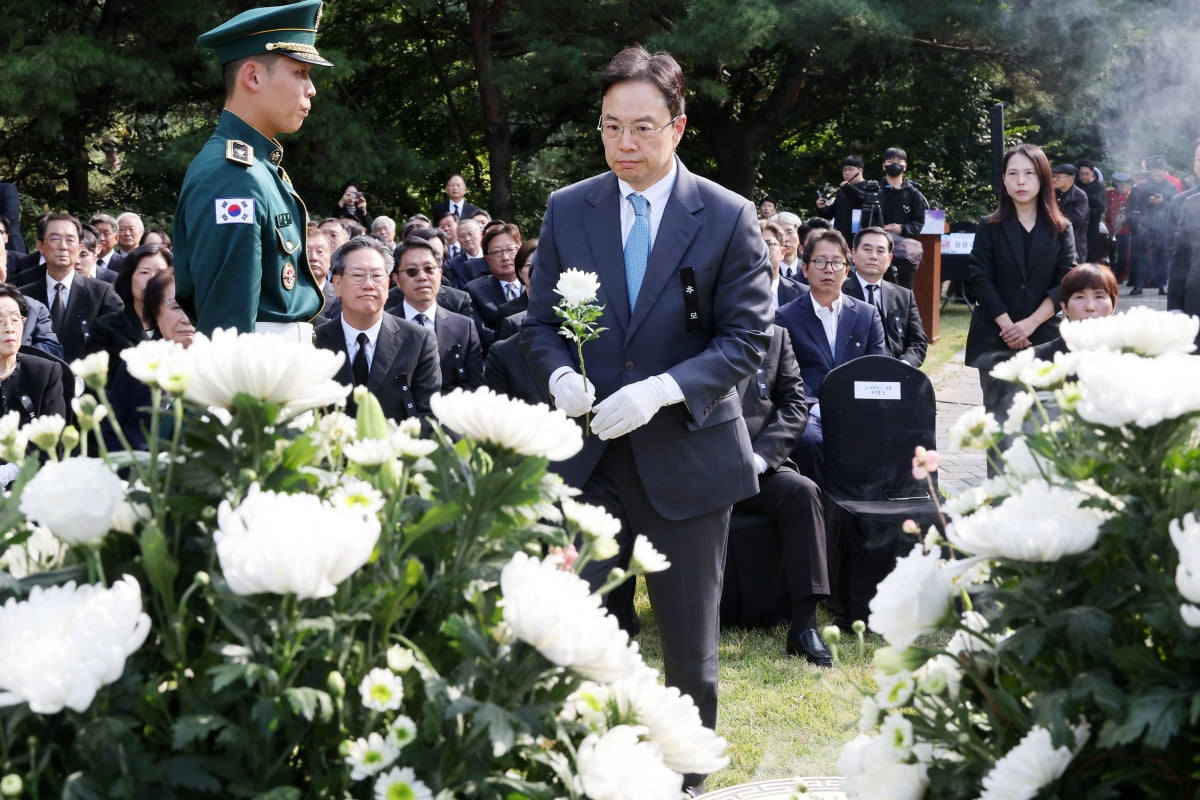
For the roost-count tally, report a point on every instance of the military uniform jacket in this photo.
(240, 235)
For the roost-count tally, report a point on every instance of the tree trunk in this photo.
(483, 19)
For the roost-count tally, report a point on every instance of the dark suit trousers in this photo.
(686, 598)
(794, 503)
(809, 453)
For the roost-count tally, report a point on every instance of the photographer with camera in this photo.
(353, 205)
(848, 200)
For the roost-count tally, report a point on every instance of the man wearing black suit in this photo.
(897, 305)
(74, 300)
(87, 264)
(396, 360)
(108, 255)
(456, 199)
(773, 405)
(418, 275)
(783, 288)
(827, 329)
(488, 292)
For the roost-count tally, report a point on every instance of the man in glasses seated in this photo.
(488, 292)
(396, 360)
(828, 328)
(418, 276)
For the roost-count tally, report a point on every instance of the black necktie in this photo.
(421, 320)
(360, 367)
(871, 294)
(57, 308)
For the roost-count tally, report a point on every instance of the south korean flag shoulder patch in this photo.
(234, 210)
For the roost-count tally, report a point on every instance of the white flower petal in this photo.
(75, 499)
(618, 765)
(529, 430)
(1033, 764)
(1140, 330)
(912, 600)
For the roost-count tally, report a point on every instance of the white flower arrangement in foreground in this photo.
(75, 498)
(621, 765)
(1117, 389)
(63, 643)
(1031, 765)
(531, 430)
(292, 543)
(270, 368)
(1139, 330)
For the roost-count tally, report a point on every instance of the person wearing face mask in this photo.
(903, 208)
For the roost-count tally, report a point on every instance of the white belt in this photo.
(292, 331)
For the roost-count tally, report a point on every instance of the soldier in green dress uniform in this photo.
(240, 227)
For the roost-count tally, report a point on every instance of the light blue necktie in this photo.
(637, 247)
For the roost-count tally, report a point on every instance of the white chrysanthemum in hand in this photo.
(577, 287)
(485, 416)
(646, 558)
(912, 600)
(400, 783)
(1139, 330)
(619, 765)
(369, 756)
(1117, 389)
(159, 362)
(293, 376)
(1030, 766)
(672, 722)
(1039, 522)
(75, 499)
(976, 429)
(291, 543)
(381, 690)
(556, 613)
(58, 647)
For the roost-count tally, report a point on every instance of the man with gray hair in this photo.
(396, 360)
(129, 232)
(385, 229)
(789, 267)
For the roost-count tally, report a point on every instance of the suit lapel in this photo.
(815, 330)
(387, 347)
(602, 227)
(331, 334)
(1012, 234)
(847, 321)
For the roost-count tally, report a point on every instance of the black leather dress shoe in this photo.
(1135, 292)
(808, 643)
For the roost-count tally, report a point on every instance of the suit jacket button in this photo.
(628, 366)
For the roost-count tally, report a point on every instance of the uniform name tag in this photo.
(877, 390)
(234, 210)
(283, 220)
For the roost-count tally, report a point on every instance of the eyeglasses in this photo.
(12, 320)
(825, 265)
(504, 251)
(69, 241)
(642, 131)
(413, 272)
(360, 278)
(771, 243)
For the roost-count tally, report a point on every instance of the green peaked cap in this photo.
(289, 30)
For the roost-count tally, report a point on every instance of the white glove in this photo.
(760, 463)
(632, 406)
(572, 392)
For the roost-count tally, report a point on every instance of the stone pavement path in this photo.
(957, 389)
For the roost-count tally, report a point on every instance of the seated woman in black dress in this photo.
(29, 385)
(118, 330)
(130, 397)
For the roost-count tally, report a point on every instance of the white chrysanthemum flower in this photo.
(976, 429)
(1018, 412)
(400, 783)
(40, 552)
(369, 756)
(912, 600)
(88, 412)
(1026, 370)
(44, 431)
(291, 543)
(965, 573)
(895, 689)
(588, 705)
(12, 443)
(1023, 464)
(159, 362)
(577, 287)
(971, 639)
(1139, 330)
(1118, 389)
(403, 731)
(868, 715)
(897, 733)
(400, 659)
(338, 427)
(619, 765)
(672, 722)
(371, 452)
(356, 495)
(873, 770)
(485, 416)
(966, 501)
(556, 613)
(1011, 368)
(411, 446)
(272, 369)
(939, 675)
(1185, 535)
(646, 558)
(1039, 522)
(594, 523)
(381, 690)
(59, 646)
(1030, 766)
(129, 515)
(75, 499)
(91, 366)
(1190, 615)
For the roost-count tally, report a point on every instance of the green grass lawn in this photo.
(955, 319)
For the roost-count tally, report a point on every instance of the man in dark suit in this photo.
(827, 329)
(774, 407)
(10, 209)
(456, 199)
(320, 250)
(87, 264)
(418, 275)
(74, 300)
(396, 360)
(489, 292)
(897, 306)
(685, 288)
(783, 288)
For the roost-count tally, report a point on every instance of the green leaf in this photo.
(1158, 715)
(309, 703)
(193, 728)
(188, 772)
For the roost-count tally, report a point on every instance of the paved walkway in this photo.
(957, 388)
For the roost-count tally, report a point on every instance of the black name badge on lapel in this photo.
(691, 299)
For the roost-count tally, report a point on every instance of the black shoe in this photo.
(694, 790)
(1135, 291)
(808, 643)
(1161, 291)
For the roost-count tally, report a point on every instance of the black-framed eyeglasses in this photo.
(826, 265)
(642, 131)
